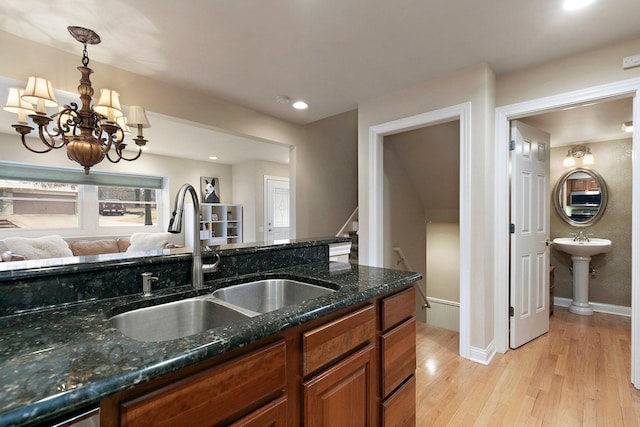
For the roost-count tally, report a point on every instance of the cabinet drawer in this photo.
(397, 308)
(325, 344)
(273, 414)
(214, 396)
(400, 408)
(398, 355)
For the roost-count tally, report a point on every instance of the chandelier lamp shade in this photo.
(89, 133)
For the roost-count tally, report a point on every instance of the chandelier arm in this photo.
(132, 158)
(112, 160)
(68, 119)
(105, 143)
(24, 142)
(49, 140)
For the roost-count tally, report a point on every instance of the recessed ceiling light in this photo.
(283, 99)
(300, 105)
(576, 4)
(213, 158)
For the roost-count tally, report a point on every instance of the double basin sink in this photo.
(221, 308)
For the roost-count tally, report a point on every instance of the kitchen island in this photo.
(57, 360)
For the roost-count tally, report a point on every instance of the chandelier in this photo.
(90, 133)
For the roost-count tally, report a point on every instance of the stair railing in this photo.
(346, 224)
(403, 260)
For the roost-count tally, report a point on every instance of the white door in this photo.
(276, 208)
(529, 291)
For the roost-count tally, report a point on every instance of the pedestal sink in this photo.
(581, 252)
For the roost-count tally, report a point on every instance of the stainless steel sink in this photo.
(267, 295)
(175, 319)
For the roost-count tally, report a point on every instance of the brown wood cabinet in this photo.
(398, 359)
(343, 395)
(273, 414)
(353, 367)
(211, 397)
(583, 185)
(400, 408)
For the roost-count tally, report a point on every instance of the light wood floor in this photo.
(578, 374)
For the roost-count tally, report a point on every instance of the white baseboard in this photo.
(619, 310)
(483, 355)
(444, 314)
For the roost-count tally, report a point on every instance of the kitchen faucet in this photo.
(175, 226)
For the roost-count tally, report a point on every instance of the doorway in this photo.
(421, 219)
(377, 244)
(504, 115)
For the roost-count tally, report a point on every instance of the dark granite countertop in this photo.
(60, 359)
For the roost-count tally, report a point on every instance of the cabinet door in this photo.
(273, 414)
(343, 394)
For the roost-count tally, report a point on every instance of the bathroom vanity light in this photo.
(578, 152)
(89, 132)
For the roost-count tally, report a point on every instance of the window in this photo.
(37, 200)
(29, 204)
(127, 206)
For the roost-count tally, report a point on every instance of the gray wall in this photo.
(327, 175)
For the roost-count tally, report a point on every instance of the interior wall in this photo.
(443, 260)
(475, 85)
(588, 69)
(612, 282)
(404, 219)
(443, 274)
(248, 186)
(244, 193)
(327, 175)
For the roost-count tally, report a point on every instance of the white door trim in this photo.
(506, 113)
(374, 252)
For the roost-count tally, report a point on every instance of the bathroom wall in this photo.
(612, 282)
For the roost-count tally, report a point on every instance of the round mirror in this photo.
(580, 197)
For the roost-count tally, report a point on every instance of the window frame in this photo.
(88, 202)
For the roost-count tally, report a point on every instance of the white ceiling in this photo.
(589, 123)
(333, 54)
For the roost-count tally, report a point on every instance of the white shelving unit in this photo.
(219, 224)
